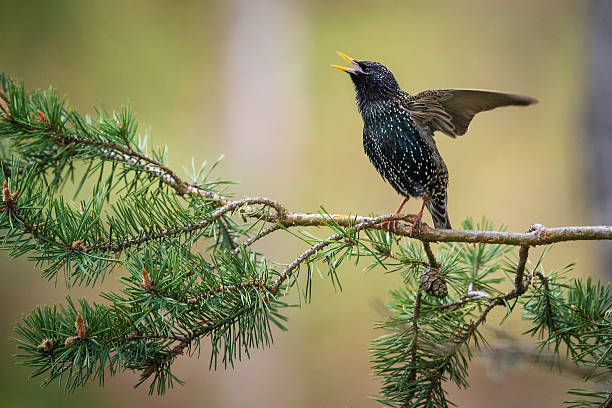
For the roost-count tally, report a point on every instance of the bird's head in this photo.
(373, 81)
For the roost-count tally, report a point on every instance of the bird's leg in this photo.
(392, 225)
(417, 221)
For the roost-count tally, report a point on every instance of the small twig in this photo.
(186, 340)
(519, 285)
(519, 288)
(430, 255)
(465, 299)
(435, 381)
(290, 269)
(222, 288)
(120, 246)
(549, 309)
(415, 335)
(229, 238)
(261, 234)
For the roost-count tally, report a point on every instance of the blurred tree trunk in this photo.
(598, 117)
(264, 90)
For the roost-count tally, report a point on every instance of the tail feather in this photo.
(437, 208)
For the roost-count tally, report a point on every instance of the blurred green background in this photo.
(251, 79)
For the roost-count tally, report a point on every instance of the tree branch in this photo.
(537, 235)
(244, 290)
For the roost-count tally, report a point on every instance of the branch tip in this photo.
(80, 326)
(70, 341)
(46, 346)
(78, 246)
(6, 193)
(4, 109)
(8, 197)
(41, 116)
(147, 283)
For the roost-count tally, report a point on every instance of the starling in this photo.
(398, 131)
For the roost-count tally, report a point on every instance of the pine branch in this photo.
(183, 229)
(143, 216)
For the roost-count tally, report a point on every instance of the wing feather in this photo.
(450, 111)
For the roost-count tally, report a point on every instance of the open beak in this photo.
(356, 68)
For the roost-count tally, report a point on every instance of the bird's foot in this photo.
(390, 226)
(417, 225)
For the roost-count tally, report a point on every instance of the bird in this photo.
(398, 132)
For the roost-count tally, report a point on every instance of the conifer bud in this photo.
(147, 283)
(6, 192)
(41, 116)
(131, 336)
(80, 326)
(4, 109)
(78, 246)
(70, 341)
(46, 346)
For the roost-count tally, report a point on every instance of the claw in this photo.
(417, 224)
(390, 226)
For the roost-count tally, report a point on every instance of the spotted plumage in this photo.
(398, 131)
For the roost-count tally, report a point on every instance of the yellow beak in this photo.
(356, 67)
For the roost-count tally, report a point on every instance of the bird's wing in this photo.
(451, 110)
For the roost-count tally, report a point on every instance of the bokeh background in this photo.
(251, 80)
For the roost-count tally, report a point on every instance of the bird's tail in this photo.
(437, 208)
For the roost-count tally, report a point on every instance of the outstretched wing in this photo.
(451, 110)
